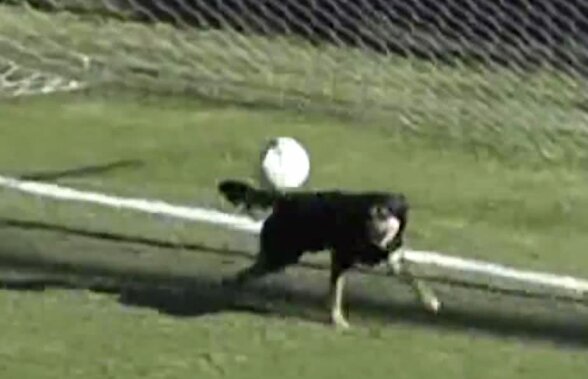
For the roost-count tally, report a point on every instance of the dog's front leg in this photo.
(425, 293)
(337, 284)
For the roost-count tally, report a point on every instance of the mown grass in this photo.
(476, 206)
(57, 333)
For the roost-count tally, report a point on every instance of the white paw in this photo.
(339, 322)
(432, 305)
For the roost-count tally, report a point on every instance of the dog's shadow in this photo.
(288, 296)
(182, 299)
(195, 297)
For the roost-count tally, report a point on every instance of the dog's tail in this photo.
(241, 193)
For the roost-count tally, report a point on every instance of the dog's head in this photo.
(386, 222)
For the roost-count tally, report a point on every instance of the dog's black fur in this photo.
(344, 223)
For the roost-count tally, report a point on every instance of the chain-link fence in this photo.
(495, 74)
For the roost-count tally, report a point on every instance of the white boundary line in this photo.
(57, 192)
(574, 287)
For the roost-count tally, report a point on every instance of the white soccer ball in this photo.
(285, 164)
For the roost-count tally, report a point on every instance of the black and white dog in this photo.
(357, 228)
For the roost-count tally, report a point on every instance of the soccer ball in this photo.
(285, 164)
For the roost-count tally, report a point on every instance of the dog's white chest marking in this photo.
(387, 230)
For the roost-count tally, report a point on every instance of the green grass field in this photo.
(95, 292)
(128, 295)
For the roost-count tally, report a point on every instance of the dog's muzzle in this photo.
(384, 231)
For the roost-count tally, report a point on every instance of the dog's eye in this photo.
(381, 212)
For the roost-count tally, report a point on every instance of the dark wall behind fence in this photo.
(516, 32)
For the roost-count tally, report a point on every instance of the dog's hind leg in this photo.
(255, 271)
(424, 292)
(267, 262)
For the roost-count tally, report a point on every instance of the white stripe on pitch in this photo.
(576, 287)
